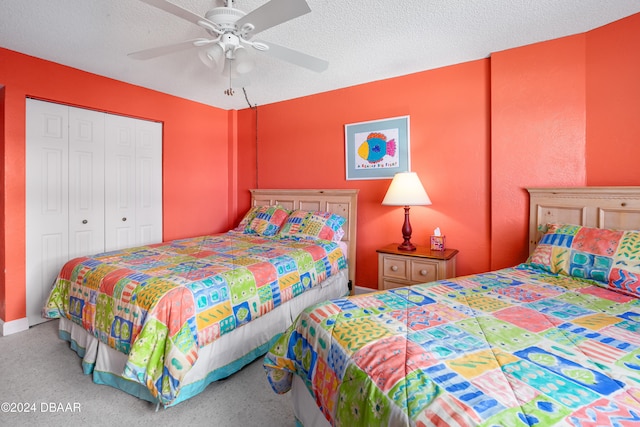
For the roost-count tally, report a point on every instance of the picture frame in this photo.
(377, 149)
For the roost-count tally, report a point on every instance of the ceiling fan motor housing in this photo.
(225, 17)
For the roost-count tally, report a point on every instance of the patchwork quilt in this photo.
(160, 303)
(516, 347)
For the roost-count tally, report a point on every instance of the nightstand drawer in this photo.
(422, 272)
(398, 268)
(395, 267)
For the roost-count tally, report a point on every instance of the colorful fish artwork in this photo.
(376, 146)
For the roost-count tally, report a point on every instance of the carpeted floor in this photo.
(40, 372)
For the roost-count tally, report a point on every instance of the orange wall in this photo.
(301, 145)
(613, 103)
(195, 155)
(247, 166)
(537, 134)
(556, 113)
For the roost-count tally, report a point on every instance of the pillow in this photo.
(609, 257)
(267, 221)
(246, 220)
(313, 225)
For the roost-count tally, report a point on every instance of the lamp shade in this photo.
(406, 190)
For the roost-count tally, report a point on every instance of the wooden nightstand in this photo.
(398, 268)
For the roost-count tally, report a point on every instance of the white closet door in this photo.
(133, 182)
(93, 184)
(47, 201)
(86, 182)
(120, 182)
(148, 182)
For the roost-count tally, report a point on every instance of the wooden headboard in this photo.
(341, 202)
(617, 208)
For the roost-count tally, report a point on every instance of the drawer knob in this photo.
(423, 272)
(394, 268)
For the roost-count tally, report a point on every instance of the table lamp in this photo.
(406, 190)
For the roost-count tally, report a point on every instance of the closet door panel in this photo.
(86, 182)
(148, 182)
(47, 232)
(120, 182)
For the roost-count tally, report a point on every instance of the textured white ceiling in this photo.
(363, 40)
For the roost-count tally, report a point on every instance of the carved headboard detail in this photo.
(616, 208)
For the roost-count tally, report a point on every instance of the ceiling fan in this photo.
(231, 34)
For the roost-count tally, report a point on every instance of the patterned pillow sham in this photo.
(267, 221)
(609, 257)
(313, 225)
(246, 219)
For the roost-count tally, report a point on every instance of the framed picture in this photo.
(377, 149)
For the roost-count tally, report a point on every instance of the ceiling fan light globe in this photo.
(243, 61)
(211, 56)
(244, 67)
(202, 54)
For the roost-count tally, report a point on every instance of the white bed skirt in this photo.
(304, 406)
(217, 360)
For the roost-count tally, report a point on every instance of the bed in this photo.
(554, 341)
(163, 321)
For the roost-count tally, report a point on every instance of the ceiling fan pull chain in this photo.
(229, 92)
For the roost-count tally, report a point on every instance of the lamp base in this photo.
(406, 246)
(406, 233)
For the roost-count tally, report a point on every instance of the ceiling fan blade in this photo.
(164, 50)
(273, 13)
(295, 57)
(179, 12)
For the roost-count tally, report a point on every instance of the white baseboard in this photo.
(362, 290)
(13, 326)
